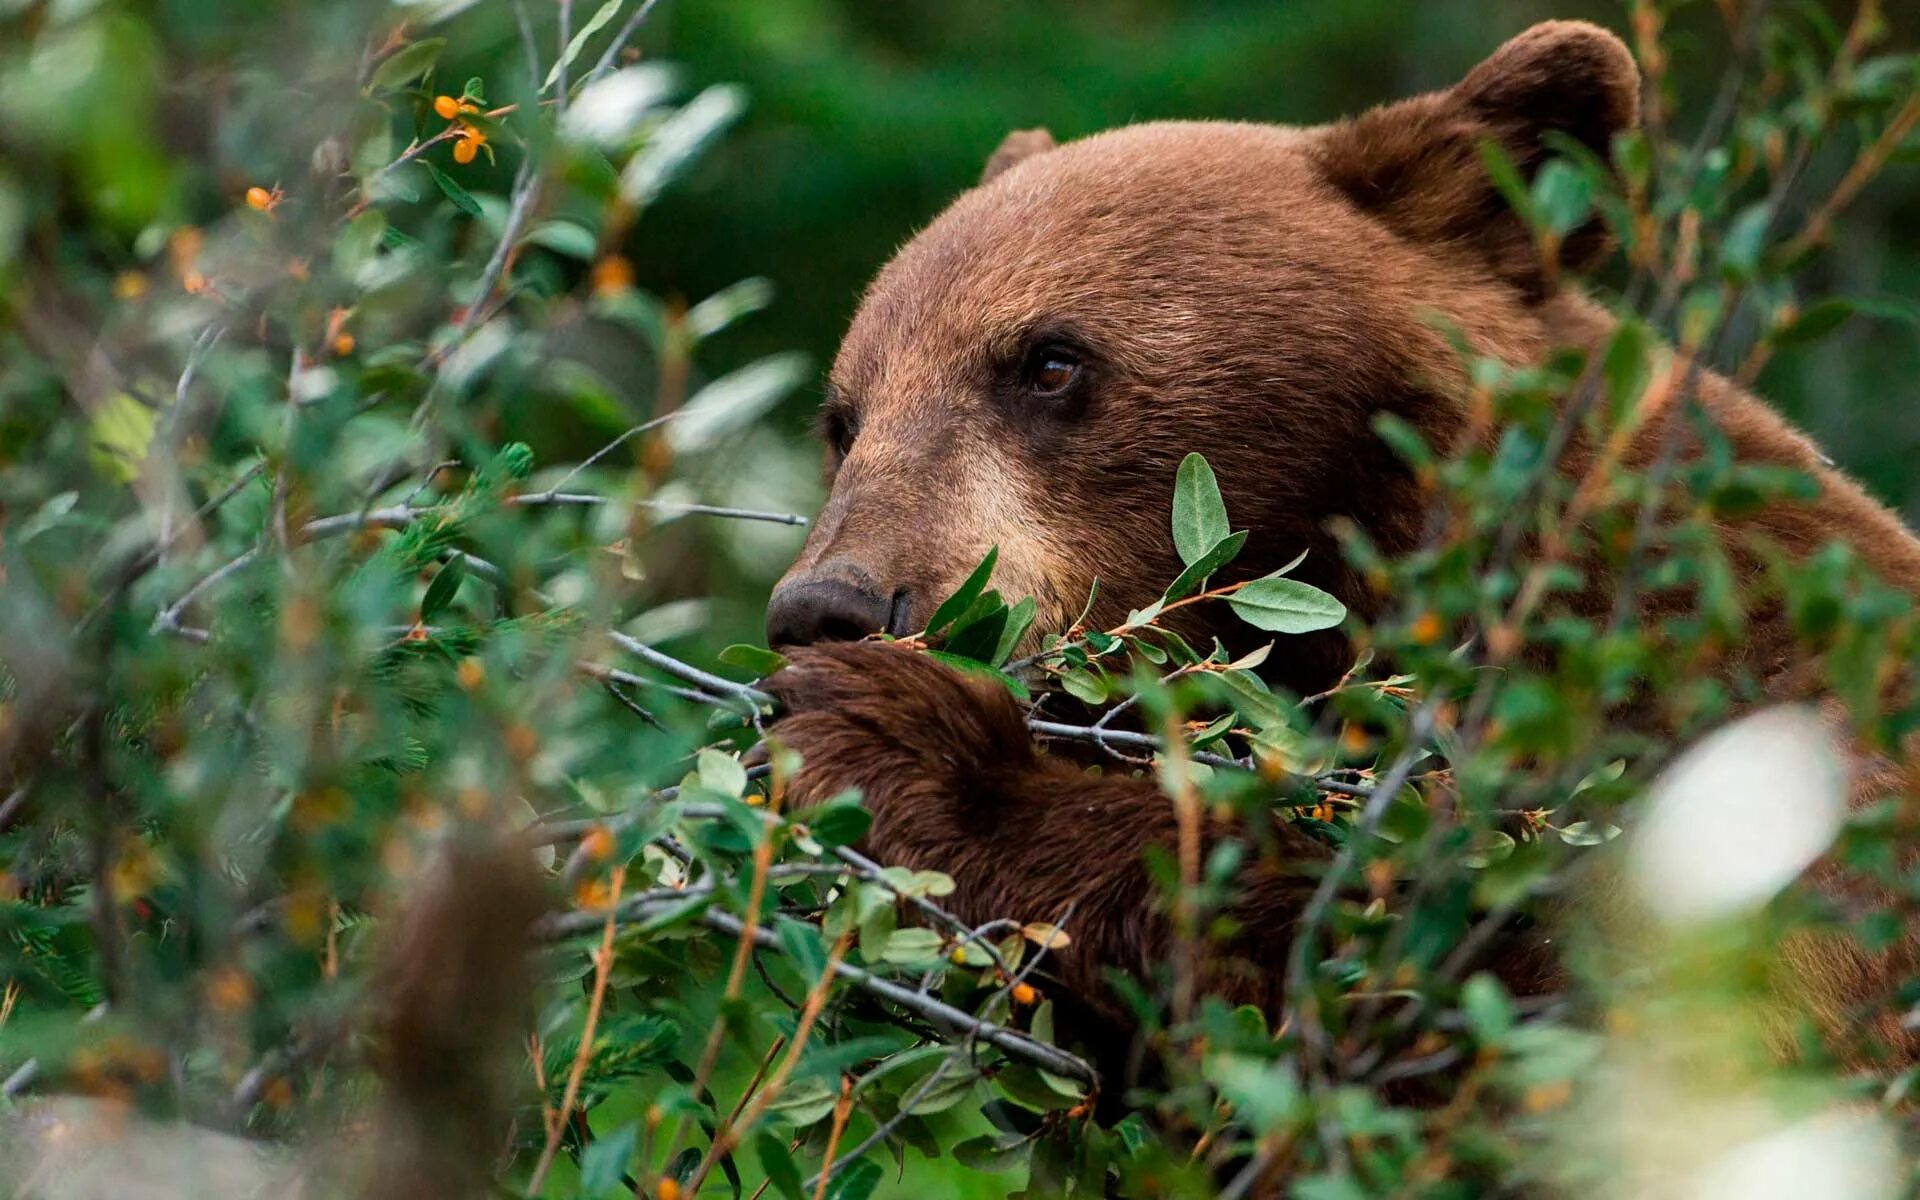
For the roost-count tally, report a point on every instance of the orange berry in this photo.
(447, 107)
(669, 1189)
(259, 198)
(521, 741)
(598, 844)
(612, 275)
(194, 282)
(1024, 994)
(464, 150)
(1426, 629)
(470, 674)
(229, 991)
(343, 345)
(129, 285)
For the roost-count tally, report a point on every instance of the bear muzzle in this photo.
(830, 608)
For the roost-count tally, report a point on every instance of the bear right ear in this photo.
(1017, 146)
(1417, 164)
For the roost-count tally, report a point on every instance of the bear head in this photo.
(1029, 370)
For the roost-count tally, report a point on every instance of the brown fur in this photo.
(1257, 293)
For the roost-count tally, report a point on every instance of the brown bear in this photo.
(1030, 369)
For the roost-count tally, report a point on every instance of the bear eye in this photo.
(837, 429)
(1052, 371)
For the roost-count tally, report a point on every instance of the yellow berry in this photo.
(447, 107)
(464, 150)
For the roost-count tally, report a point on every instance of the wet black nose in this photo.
(824, 610)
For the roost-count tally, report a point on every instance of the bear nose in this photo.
(824, 610)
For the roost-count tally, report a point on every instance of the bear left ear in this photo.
(1417, 164)
(1017, 146)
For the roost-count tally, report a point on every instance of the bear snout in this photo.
(815, 609)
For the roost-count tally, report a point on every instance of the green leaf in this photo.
(804, 1101)
(962, 599)
(728, 305)
(1287, 606)
(1028, 1087)
(1488, 1011)
(1199, 514)
(565, 237)
(121, 430)
(1745, 241)
(734, 401)
(976, 635)
(721, 773)
(838, 824)
(777, 1162)
(445, 585)
(1251, 699)
(757, 661)
(1562, 197)
(578, 41)
(451, 189)
(856, 1182)
(605, 1160)
(1222, 553)
(1019, 619)
(954, 1085)
(1506, 178)
(1627, 367)
(406, 64)
(1085, 686)
(912, 946)
(678, 140)
(994, 1152)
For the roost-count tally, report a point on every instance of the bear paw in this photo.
(933, 752)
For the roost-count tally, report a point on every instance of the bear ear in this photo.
(1417, 164)
(1566, 77)
(1017, 146)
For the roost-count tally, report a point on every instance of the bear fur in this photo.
(1257, 293)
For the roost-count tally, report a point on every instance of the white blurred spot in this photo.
(1837, 1156)
(1737, 817)
(608, 111)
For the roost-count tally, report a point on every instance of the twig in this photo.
(620, 40)
(842, 1108)
(729, 1133)
(602, 968)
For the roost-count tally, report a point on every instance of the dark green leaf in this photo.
(778, 1164)
(857, 1182)
(993, 1152)
(461, 197)
(1220, 555)
(961, 600)
(837, 824)
(445, 585)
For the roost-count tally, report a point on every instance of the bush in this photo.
(312, 605)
